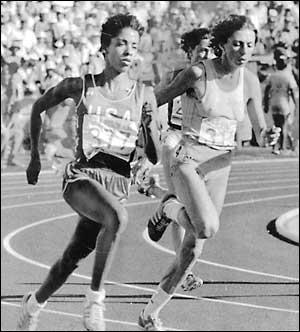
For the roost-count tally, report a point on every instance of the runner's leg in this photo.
(90, 199)
(80, 246)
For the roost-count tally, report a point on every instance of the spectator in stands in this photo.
(280, 98)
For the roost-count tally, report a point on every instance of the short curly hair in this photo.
(113, 26)
(226, 28)
(191, 39)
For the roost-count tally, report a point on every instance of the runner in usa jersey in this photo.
(111, 126)
(115, 113)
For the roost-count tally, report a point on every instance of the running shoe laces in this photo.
(159, 222)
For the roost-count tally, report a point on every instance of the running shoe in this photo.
(191, 282)
(93, 315)
(30, 310)
(159, 222)
(150, 323)
(276, 152)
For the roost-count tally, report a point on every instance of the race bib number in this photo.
(218, 132)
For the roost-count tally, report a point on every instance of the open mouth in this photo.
(126, 62)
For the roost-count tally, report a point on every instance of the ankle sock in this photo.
(172, 208)
(95, 296)
(157, 302)
(33, 305)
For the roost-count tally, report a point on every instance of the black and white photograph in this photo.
(149, 165)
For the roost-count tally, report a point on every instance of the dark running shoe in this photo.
(159, 222)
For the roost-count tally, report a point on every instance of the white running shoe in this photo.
(93, 316)
(191, 282)
(30, 310)
(150, 323)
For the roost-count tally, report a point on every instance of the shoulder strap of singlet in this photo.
(139, 93)
(93, 79)
(82, 94)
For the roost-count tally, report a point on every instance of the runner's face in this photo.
(201, 51)
(123, 49)
(239, 47)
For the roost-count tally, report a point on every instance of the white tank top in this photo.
(111, 126)
(212, 119)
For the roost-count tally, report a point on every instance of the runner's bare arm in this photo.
(67, 88)
(255, 111)
(179, 85)
(254, 103)
(266, 97)
(150, 124)
(147, 150)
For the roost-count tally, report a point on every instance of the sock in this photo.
(95, 296)
(172, 208)
(33, 305)
(157, 302)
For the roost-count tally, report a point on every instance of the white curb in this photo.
(287, 225)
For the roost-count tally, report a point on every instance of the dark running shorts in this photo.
(115, 183)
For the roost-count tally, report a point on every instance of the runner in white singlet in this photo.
(195, 43)
(110, 109)
(216, 93)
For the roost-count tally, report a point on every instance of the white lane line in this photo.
(9, 174)
(229, 267)
(238, 172)
(24, 181)
(37, 193)
(32, 194)
(31, 204)
(234, 162)
(260, 189)
(26, 185)
(259, 200)
(63, 313)
(288, 179)
(263, 176)
(139, 195)
(140, 203)
(9, 249)
(150, 201)
(235, 172)
(262, 182)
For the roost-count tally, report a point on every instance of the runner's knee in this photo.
(118, 220)
(207, 230)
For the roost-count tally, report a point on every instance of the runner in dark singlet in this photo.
(97, 182)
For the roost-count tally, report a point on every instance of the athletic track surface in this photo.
(251, 278)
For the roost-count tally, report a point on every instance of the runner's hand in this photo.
(33, 171)
(141, 170)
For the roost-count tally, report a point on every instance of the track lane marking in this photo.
(63, 313)
(7, 246)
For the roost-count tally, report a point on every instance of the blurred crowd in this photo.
(45, 41)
